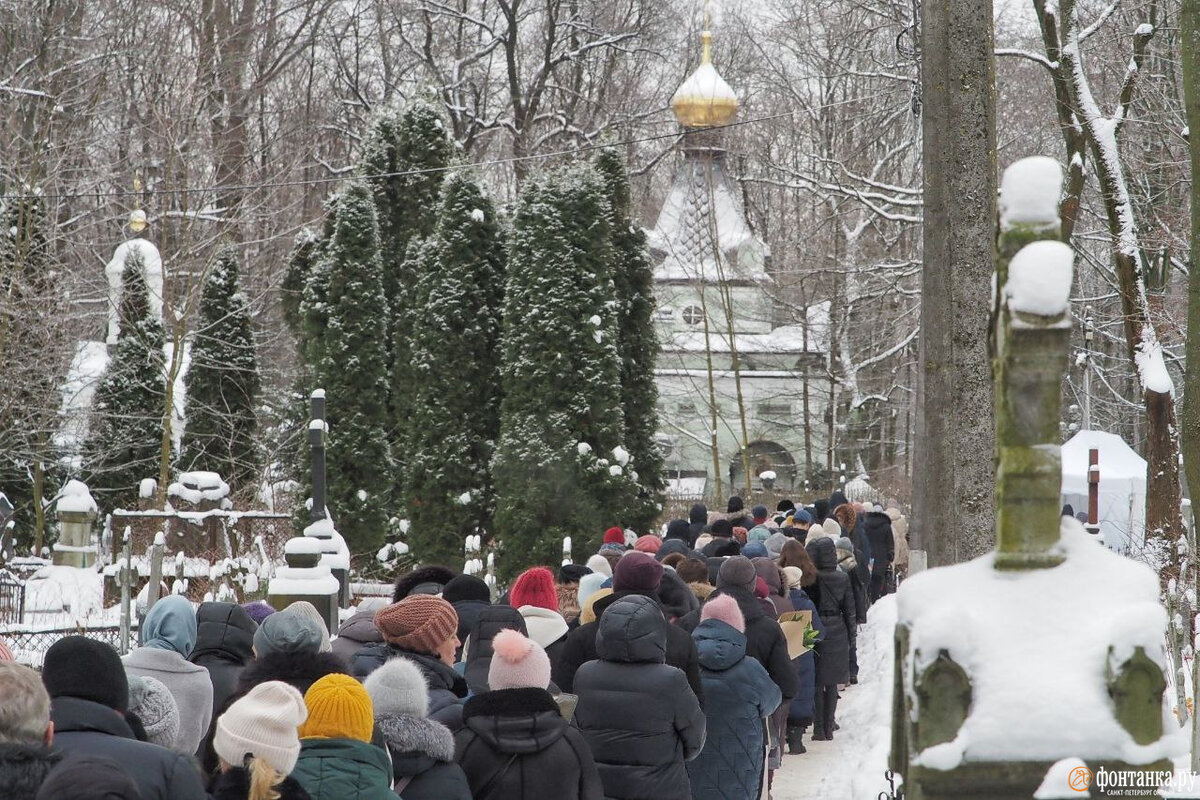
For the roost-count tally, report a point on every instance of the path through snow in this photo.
(852, 766)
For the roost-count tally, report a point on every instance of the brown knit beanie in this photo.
(419, 623)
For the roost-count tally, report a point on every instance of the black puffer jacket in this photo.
(580, 648)
(488, 623)
(23, 767)
(235, 785)
(468, 612)
(515, 745)
(224, 642)
(878, 526)
(835, 603)
(82, 727)
(447, 689)
(764, 640)
(355, 634)
(639, 716)
(422, 754)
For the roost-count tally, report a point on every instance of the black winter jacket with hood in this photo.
(581, 648)
(639, 716)
(224, 645)
(478, 644)
(515, 745)
(422, 754)
(23, 767)
(447, 689)
(834, 599)
(878, 526)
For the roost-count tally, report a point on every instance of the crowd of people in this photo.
(659, 668)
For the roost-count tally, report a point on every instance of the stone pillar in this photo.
(76, 512)
(305, 578)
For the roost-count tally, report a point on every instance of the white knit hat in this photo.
(263, 724)
(398, 688)
(599, 564)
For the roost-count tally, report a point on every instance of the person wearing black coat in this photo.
(697, 520)
(835, 603)
(89, 693)
(421, 750)
(637, 574)
(470, 597)
(224, 645)
(359, 631)
(637, 713)
(878, 526)
(447, 689)
(25, 732)
(85, 778)
(515, 743)
(478, 644)
(23, 767)
(234, 784)
(764, 638)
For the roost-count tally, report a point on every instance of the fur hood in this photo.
(300, 670)
(408, 734)
(431, 574)
(23, 767)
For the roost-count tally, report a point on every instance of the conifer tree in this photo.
(223, 381)
(353, 371)
(560, 412)
(300, 263)
(455, 419)
(405, 154)
(125, 424)
(633, 278)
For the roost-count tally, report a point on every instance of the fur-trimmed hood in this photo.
(430, 574)
(23, 767)
(408, 735)
(300, 670)
(515, 720)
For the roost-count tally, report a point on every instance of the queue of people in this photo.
(662, 667)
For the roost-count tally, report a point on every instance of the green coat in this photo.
(343, 769)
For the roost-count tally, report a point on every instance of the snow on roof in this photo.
(1118, 461)
(1029, 192)
(195, 487)
(114, 271)
(303, 580)
(705, 84)
(75, 497)
(1039, 278)
(1034, 667)
(782, 340)
(686, 488)
(302, 545)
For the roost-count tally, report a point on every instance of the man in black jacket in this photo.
(636, 574)
(878, 527)
(764, 638)
(25, 732)
(89, 694)
(224, 644)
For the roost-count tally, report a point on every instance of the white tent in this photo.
(1122, 486)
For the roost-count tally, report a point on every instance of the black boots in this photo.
(795, 743)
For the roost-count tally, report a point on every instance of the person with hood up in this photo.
(848, 562)
(86, 778)
(224, 645)
(423, 629)
(697, 521)
(25, 732)
(533, 594)
(359, 631)
(470, 596)
(835, 604)
(152, 712)
(168, 635)
(735, 512)
(777, 590)
(337, 760)
(878, 527)
(257, 743)
(679, 529)
(638, 714)
(478, 650)
(515, 743)
(431, 579)
(800, 710)
(89, 695)
(741, 695)
(637, 574)
(764, 638)
(829, 529)
(421, 750)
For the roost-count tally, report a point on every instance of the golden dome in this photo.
(704, 100)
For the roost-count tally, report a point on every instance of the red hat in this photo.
(534, 587)
(614, 535)
(648, 543)
(760, 588)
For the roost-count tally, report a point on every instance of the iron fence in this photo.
(12, 599)
(30, 646)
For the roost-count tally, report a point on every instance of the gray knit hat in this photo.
(737, 573)
(398, 688)
(775, 544)
(287, 633)
(151, 701)
(309, 610)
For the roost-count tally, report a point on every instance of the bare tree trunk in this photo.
(953, 503)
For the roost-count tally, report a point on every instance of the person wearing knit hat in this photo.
(259, 610)
(755, 550)
(829, 529)
(515, 742)
(739, 694)
(647, 544)
(534, 596)
(635, 574)
(168, 634)
(615, 535)
(588, 586)
(288, 634)
(257, 736)
(737, 573)
(740, 534)
(421, 750)
(775, 544)
(759, 515)
(423, 629)
(154, 707)
(470, 596)
(587, 612)
(87, 683)
(337, 760)
(310, 611)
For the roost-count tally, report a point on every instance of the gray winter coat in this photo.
(740, 694)
(188, 683)
(355, 634)
(639, 716)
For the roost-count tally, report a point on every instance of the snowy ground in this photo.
(852, 766)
